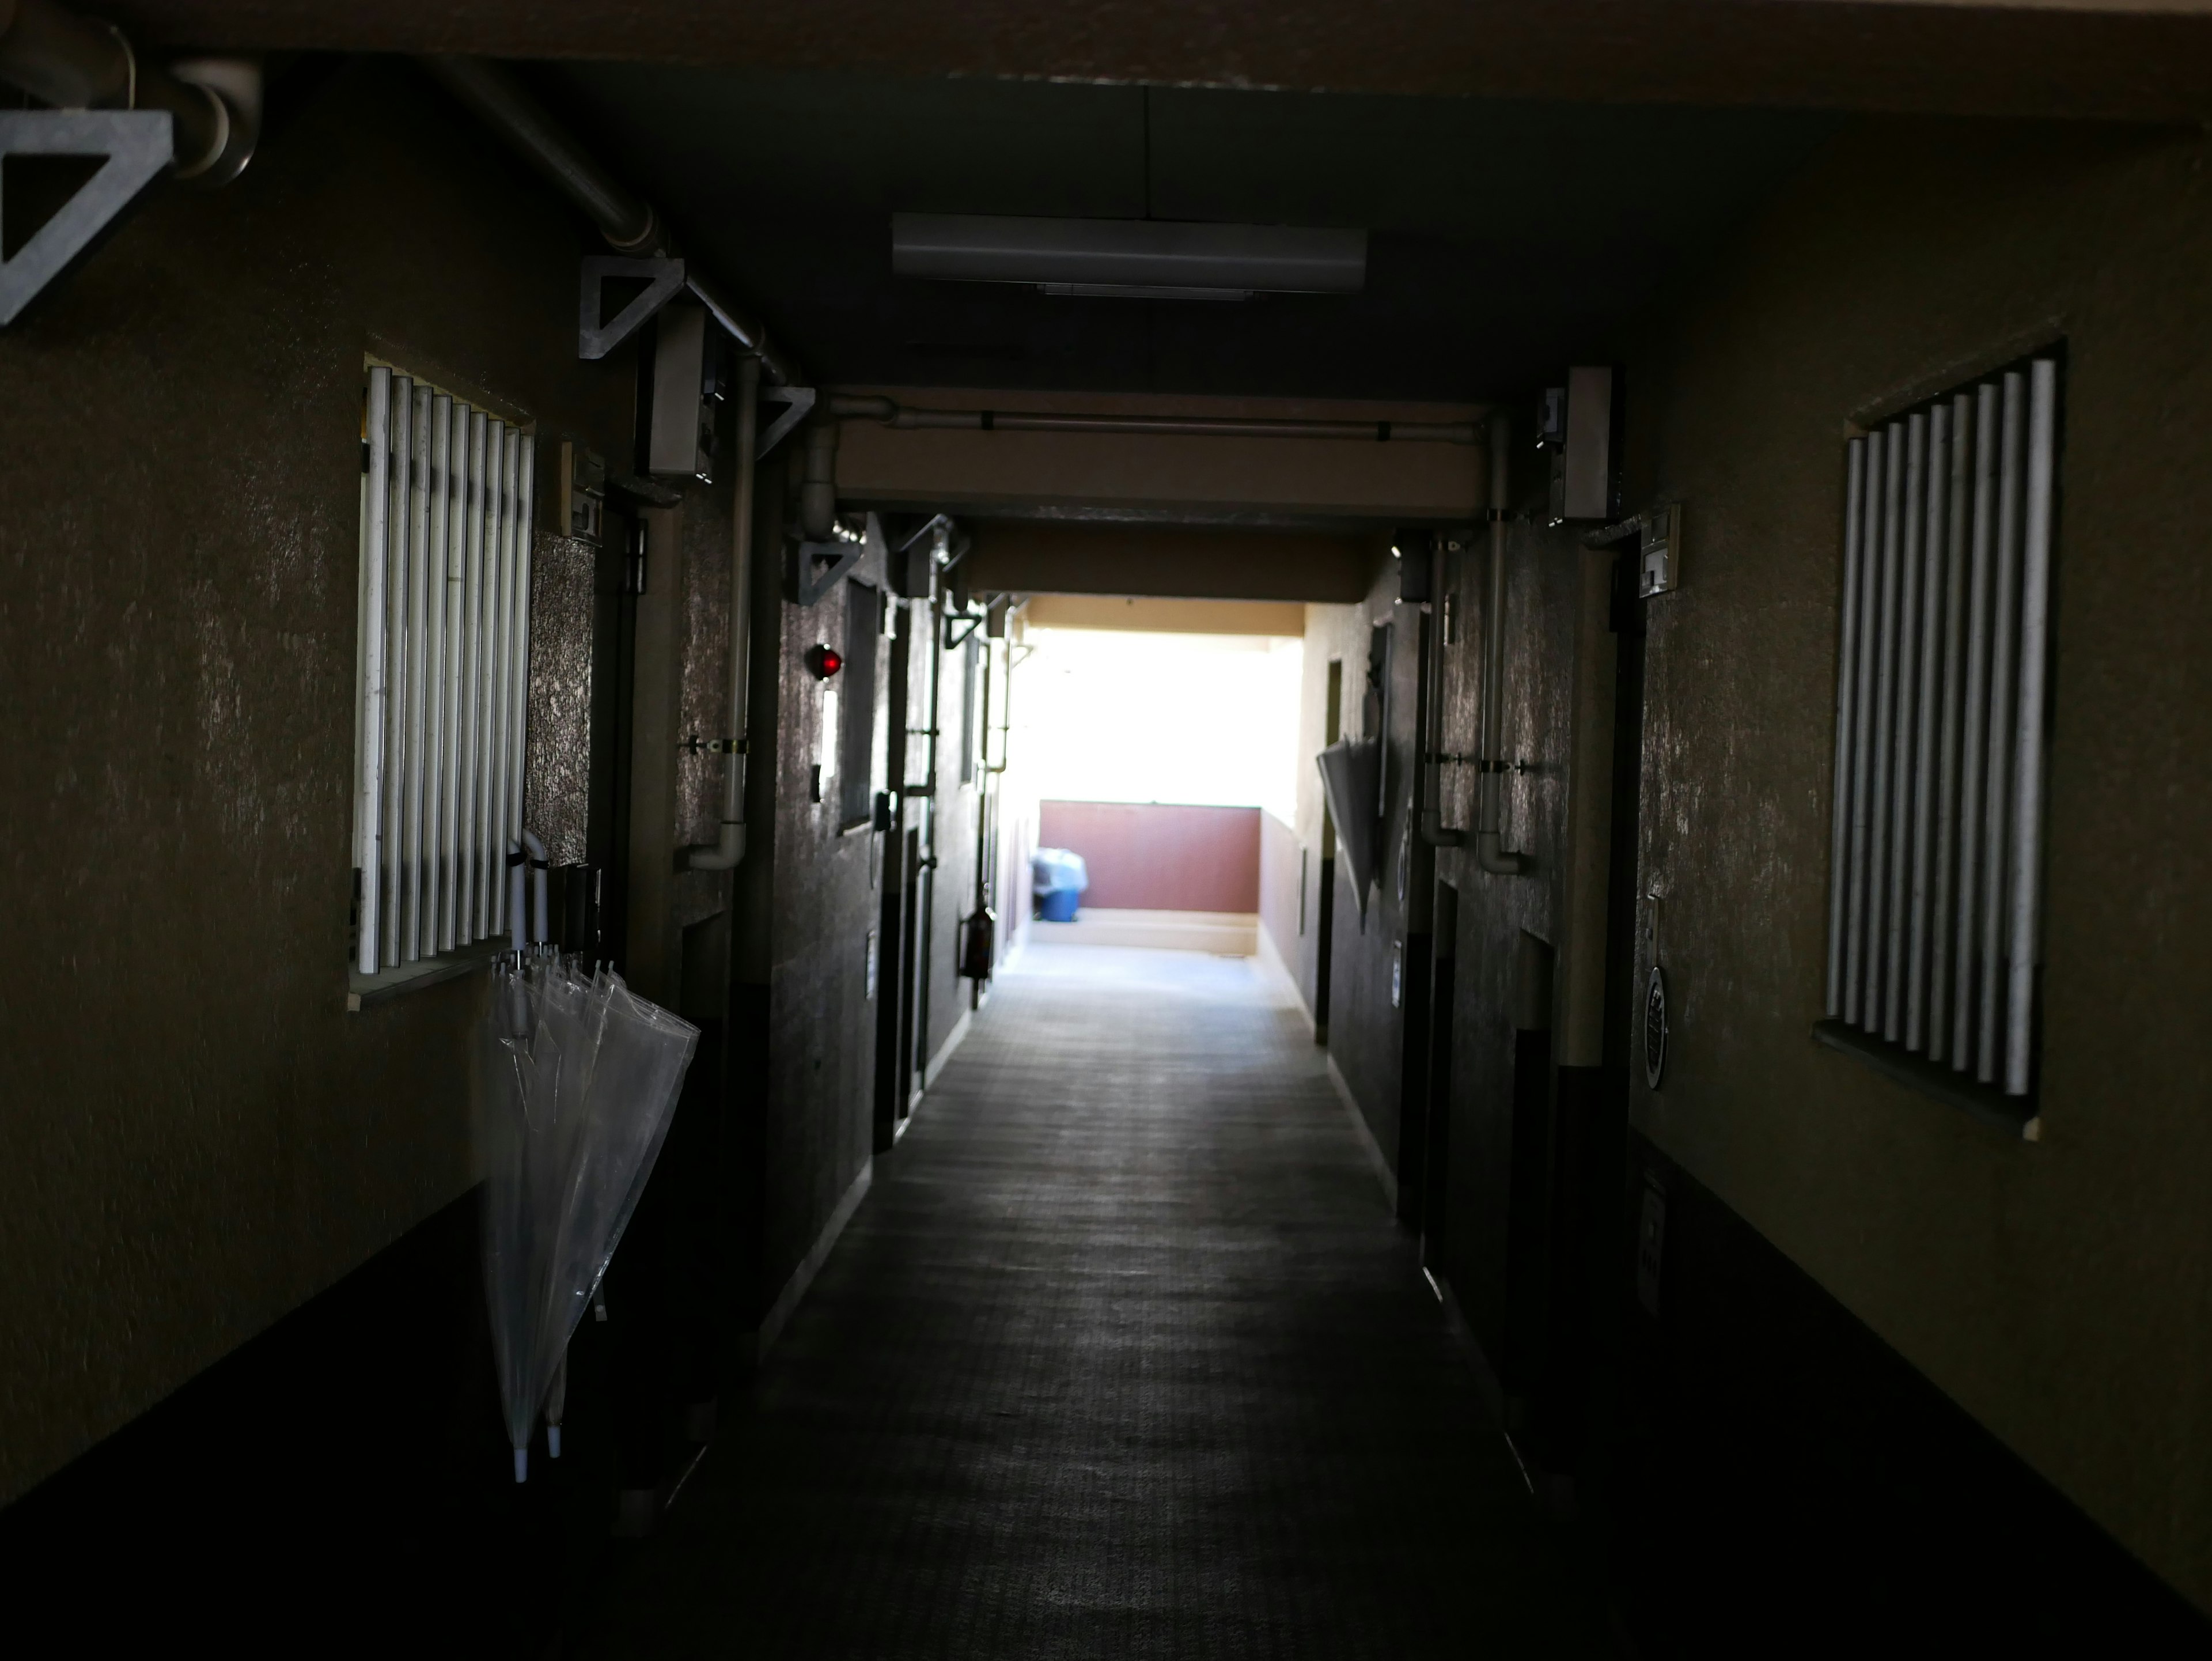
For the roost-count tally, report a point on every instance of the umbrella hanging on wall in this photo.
(580, 1078)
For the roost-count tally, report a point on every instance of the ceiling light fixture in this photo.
(1129, 258)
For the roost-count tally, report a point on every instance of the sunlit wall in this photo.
(1111, 715)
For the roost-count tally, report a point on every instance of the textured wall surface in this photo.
(1365, 1031)
(197, 1135)
(1160, 856)
(1285, 913)
(816, 1128)
(556, 794)
(2062, 1292)
(1543, 583)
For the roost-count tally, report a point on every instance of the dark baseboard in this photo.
(1777, 1480)
(338, 1484)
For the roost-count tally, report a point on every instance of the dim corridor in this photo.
(1122, 1356)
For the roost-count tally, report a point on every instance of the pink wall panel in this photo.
(1151, 857)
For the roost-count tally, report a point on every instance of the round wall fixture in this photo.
(1655, 1027)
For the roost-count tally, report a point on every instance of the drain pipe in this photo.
(904, 418)
(629, 224)
(1487, 835)
(1427, 757)
(74, 64)
(726, 853)
(818, 488)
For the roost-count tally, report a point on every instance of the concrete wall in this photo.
(2058, 1291)
(1160, 856)
(197, 1135)
(1365, 1031)
(1285, 913)
(817, 1100)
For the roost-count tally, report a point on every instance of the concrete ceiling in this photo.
(2120, 59)
(1507, 237)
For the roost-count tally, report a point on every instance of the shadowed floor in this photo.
(1122, 1356)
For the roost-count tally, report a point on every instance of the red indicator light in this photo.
(823, 661)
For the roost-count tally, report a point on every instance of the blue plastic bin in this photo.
(1058, 877)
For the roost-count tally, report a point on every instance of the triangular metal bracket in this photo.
(597, 334)
(135, 145)
(818, 565)
(798, 403)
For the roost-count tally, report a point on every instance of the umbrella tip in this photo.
(553, 1441)
(522, 1465)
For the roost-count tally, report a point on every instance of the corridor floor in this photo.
(1122, 1356)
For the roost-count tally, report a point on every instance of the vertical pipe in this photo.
(395, 672)
(492, 788)
(1855, 953)
(450, 834)
(471, 723)
(1847, 646)
(418, 620)
(1885, 723)
(2004, 659)
(369, 809)
(1934, 478)
(524, 468)
(437, 911)
(1895, 969)
(1973, 761)
(1489, 836)
(1942, 923)
(2022, 913)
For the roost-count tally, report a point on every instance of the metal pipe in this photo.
(1974, 753)
(1941, 922)
(1855, 965)
(1935, 475)
(628, 223)
(517, 864)
(525, 519)
(1487, 838)
(1839, 807)
(1428, 740)
(818, 490)
(469, 872)
(434, 932)
(905, 418)
(370, 854)
(541, 929)
(395, 671)
(1896, 972)
(496, 601)
(1885, 716)
(72, 63)
(418, 618)
(730, 850)
(2024, 917)
(2004, 662)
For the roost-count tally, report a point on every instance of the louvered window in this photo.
(1942, 703)
(444, 653)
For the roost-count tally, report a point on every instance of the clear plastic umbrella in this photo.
(580, 1078)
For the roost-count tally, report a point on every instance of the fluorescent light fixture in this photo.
(1145, 259)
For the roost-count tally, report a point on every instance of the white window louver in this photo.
(1941, 706)
(445, 653)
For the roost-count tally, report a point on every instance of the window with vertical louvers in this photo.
(446, 493)
(1942, 703)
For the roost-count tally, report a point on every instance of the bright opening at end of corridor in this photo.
(1157, 742)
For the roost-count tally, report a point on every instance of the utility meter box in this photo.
(1575, 428)
(583, 493)
(687, 391)
(1661, 547)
